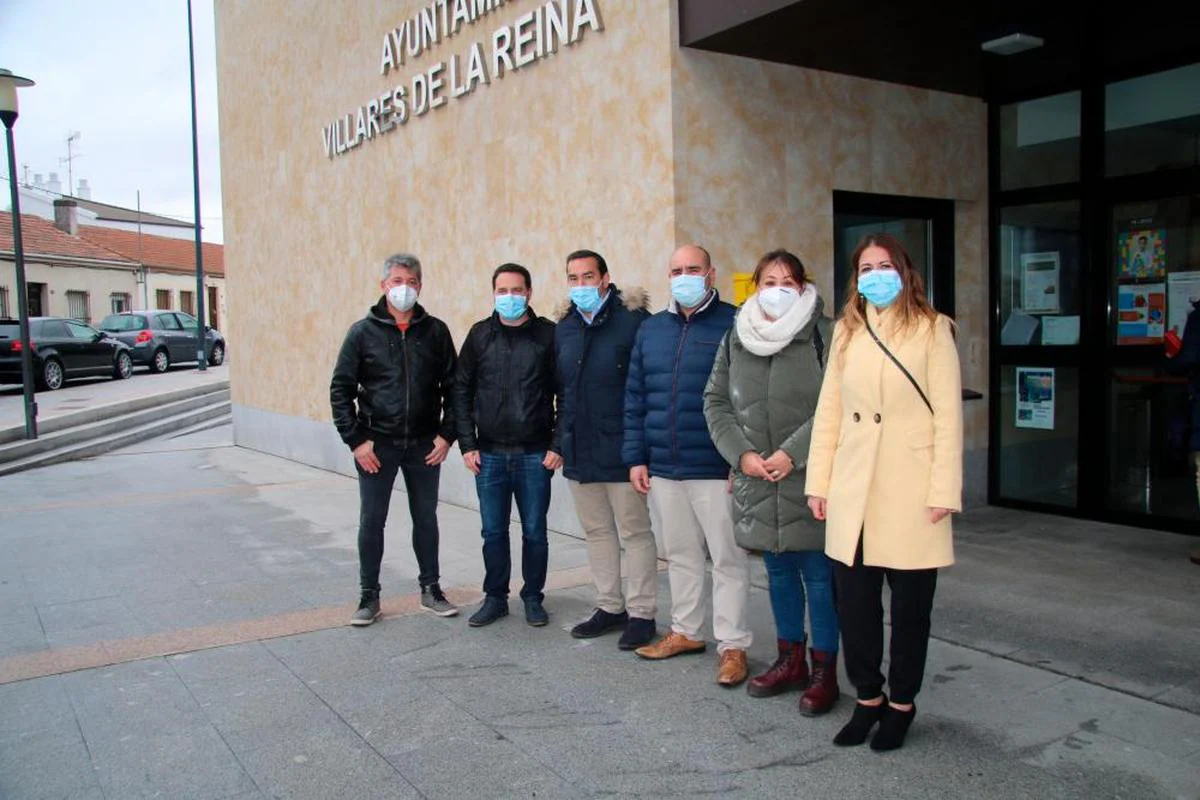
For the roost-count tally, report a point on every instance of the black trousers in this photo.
(860, 613)
(375, 496)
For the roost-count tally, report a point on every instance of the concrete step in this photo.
(207, 425)
(110, 410)
(159, 426)
(109, 424)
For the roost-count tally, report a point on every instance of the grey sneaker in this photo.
(434, 601)
(368, 610)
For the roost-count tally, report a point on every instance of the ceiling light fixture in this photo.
(1012, 44)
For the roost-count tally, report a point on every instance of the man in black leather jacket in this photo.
(504, 412)
(390, 395)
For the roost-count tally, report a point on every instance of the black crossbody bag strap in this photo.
(896, 361)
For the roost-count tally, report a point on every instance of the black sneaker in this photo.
(492, 609)
(599, 623)
(637, 633)
(368, 609)
(535, 614)
(433, 601)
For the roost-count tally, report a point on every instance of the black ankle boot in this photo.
(861, 721)
(893, 727)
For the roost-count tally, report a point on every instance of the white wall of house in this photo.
(97, 284)
(173, 284)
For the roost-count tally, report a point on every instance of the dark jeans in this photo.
(793, 578)
(375, 495)
(502, 477)
(860, 608)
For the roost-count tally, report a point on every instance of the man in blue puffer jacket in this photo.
(671, 456)
(592, 342)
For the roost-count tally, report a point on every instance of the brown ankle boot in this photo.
(822, 692)
(790, 671)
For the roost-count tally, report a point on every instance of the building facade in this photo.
(482, 131)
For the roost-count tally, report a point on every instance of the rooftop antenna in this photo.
(71, 156)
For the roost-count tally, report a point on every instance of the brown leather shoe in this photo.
(732, 669)
(673, 644)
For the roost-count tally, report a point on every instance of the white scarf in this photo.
(766, 338)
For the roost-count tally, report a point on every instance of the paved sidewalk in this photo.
(1064, 660)
(85, 393)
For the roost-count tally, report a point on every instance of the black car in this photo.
(162, 338)
(62, 349)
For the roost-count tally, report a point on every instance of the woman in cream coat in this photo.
(885, 473)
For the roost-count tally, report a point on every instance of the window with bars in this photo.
(4, 311)
(187, 303)
(162, 299)
(121, 302)
(78, 306)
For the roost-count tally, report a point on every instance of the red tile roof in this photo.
(157, 252)
(39, 237)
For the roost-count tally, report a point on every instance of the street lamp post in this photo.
(201, 329)
(8, 114)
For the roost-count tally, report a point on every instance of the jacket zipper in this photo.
(675, 387)
(407, 382)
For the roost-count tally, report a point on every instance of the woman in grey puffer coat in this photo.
(759, 404)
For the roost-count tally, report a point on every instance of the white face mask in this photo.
(775, 301)
(402, 298)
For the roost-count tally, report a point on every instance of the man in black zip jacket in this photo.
(390, 395)
(504, 412)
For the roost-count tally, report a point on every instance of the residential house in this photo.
(66, 275)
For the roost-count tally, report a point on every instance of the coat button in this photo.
(856, 416)
(878, 419)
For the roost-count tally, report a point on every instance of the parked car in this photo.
(162, 338)
(62, 349)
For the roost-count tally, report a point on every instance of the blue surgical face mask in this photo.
(688, 290)
(510, 306)
(880, 286)
(586, 298)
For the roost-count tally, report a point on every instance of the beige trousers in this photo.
(615, 517)
(696, 515)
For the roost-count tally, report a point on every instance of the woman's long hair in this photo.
(911, 306)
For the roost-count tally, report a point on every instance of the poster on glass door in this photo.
(1141, 313)
(1035, 398)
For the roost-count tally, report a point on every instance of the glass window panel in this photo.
(1039, 274)
(1155, 268)
(1039, 142)
(1153, 122)
(1150, 462)
(1039, 434)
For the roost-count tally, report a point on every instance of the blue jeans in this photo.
(792, 577)
(503, 476)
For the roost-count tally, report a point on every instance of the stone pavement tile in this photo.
(21, 637)
(143, 696)
(395, 713)
(251, 705)
(193, 763)
(342, 653)
(1185, 696)
(222, 663)
(1173, 733)
(489, 766)
(71, 617)
(32, 707)
(53, 583)
(1093, 665)
(53, 763)
(322, 761)
(1126, 770)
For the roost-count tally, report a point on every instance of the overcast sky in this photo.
(117, 72)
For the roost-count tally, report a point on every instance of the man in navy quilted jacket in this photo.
(671, 457)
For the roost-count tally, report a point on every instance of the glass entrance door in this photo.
(925, 226)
